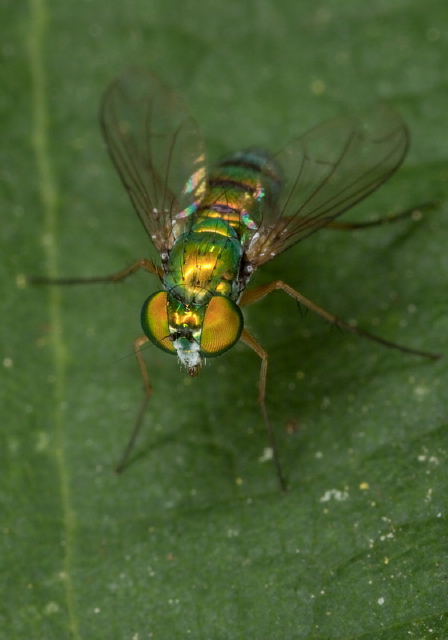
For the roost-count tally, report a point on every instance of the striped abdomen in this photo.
(240, 189)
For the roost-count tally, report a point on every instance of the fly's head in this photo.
(185, 332)
(192, 332)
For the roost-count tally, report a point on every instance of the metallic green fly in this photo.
(214, 228)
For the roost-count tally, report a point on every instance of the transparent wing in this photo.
(157, 150)
(327, 171)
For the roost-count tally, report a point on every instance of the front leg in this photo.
(138, 344)
(248, 339)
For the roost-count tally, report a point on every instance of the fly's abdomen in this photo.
(240, 189)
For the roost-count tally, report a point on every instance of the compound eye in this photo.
(223, 323)
(154, 320)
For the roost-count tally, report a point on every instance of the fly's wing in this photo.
(157, 150)
(327, 171)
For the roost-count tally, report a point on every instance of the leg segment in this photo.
(253, 344)
(408, 213)
(147, 265)
(141, 412)
(252, 295)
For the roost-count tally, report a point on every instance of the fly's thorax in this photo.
(204, 262)
(193, 332)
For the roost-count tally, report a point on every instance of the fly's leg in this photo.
(141, 412)
(413, 212)
(253, 344)
(252, 295)
(147, 265)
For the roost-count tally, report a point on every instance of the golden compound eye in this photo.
(154, 319)
(222, 327)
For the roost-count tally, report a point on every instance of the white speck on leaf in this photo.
(334, 494)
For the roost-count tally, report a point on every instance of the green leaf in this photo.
(195, 539)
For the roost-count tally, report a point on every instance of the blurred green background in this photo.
(194, 539)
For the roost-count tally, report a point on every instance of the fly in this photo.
(213, 228)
